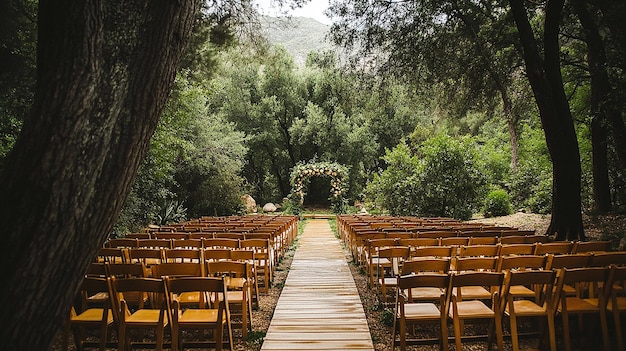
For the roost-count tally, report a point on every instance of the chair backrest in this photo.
(121, 242)
(493, 280)
(605, 259)
(517, 249)
(154, 243)
(557, 247)
(462, 264)
(228, 268)
(417, 242)
(92, 286)
(170, 235)
(458, 241)
(127, 270)
(479, 250)
(436, 234)
(112, 255)
(434, 251)
(183, 255)
(541, 280)
(512, 239)
(218, 243)
(242, 255)
(96, 269)
(148, 256)
(211, 254)
(214, 289)
(523, 262)
(119, 288)
(186, 243)
(179, 269)
(591, 246)
(584, 280)
(483, 240)
(567, 261)
(426, 264)
(426, 280)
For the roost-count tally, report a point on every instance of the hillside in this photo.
(299, 35)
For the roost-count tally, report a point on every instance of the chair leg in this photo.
(551, 332)
(457, 334)
(499, 336)
(566, 333)
(514, 336)
(618, 328)
(605, 330)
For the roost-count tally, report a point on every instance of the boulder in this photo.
(249, 203)
(269, 207)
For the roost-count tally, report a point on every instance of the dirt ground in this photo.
(611, 227)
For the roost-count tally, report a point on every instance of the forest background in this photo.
(161, 110)
(428, 108)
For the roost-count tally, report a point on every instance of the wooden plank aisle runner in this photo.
(319, 307)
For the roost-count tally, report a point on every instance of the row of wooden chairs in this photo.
(448, 264)
(237, 276)
(381, 256)
(161, 310)
(258, 254)
(597, 294)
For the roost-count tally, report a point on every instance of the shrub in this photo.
(540, 200)
(498, 203)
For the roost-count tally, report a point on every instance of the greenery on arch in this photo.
(337, 173)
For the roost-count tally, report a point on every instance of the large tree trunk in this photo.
(613, 14)
(558, 125)
(105, 69)
(600, 107)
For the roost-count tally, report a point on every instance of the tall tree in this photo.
(544, 74)
(601, 107)
(104, 72)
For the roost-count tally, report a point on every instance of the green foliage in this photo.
(387, 317)
(443, 180)
(531, 186)
(540, 201)
(498, 203)
(450, 180)
(170, 212)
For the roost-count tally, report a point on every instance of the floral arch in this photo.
(337, 173)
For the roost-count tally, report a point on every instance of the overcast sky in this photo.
(312, 9)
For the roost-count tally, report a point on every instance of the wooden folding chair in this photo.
(516, 308)
(211, 314)
(475, 264)
(238, 290)
(523, 263)
(263, 261)
(372, 256)
(463, 309)
(425, 265)
(409, 313)
(151, 315)
(387, 274)
(617, 302)
(87, 316)
(586, 302)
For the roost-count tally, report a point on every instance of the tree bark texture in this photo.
(601, 107)
(105, 70)
(545, 79)
(613, 15)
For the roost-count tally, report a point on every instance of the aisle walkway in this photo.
(319, 307)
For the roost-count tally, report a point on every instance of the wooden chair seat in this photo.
(472, 309)
(527, 308)
(421, 311)
(197, 317)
